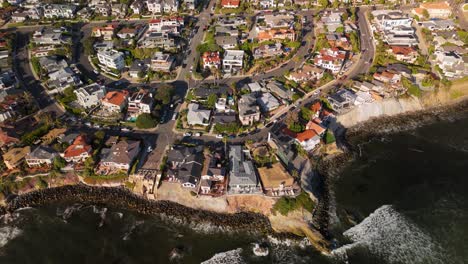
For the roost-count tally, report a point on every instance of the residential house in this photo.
(400, 40)
(451, 64)
(165, 24)
(308, 72)
(213, 172)
(211, 59)
(331, 59)
(276, 34)
(129, 32)
(15, 156)
(276, 181)
(386, 76)
(279, 89)
(202, 92)
(441, 10)
(106, 32)
(63, 78)
(41, 156)
(439, 25)
(140, 102)
(389, 19)
(162, 62)
(50, 36)
(224, 118)
(197, 116)
(277, 20)
(230, 3)
(242, 176)
(268, 102)
(233, 60)
(308, 139)
(162, 6)
(405, 54)
(7, 139)
(266, 4)
(119, 157)
(137, 7)
(316, 127)
(119, 10)
(341, 99)
(78, 151)
(249, 112)
(103, 9)
(157, 40)
(112, 59)
(332, 20)
(59, 11)
(139, 68)
(339, 41)
(226, 42)
(228, 21)
(220, 105)
(115, 101)
(35, 13)
(19, 16)
(52, 63)
(8, 81)
(268, 50)
(185, 165)
(227, 31)
(90, 95)
(191, 4)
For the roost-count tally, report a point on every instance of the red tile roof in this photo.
(317, 106)
(115, 97)
(78, 147)
(402, 50)
(230, 3)
(306, 135)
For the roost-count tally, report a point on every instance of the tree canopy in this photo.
(145, 121)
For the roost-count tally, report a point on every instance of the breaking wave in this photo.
(228, 257)
(8, 233)
(391, 236)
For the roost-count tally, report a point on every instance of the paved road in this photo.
(26, 77)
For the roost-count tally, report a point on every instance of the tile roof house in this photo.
(249, 111)
(197, 116)
(78, 151)
(331, 59)
(230, 3)
(405, 54)
(40, 156)
(106, 32)
(276, 181)
(308, 72)
(120, 156)
(6, 139)
(242, 176)
(115, 101)
(185, 165)
(211, 59)
(276, 34)
(13, 157)
(434, 9)
(140, 102)
(317, 128)
(308, 139)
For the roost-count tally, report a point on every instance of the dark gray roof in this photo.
(204, 91)
(42, 152)
(224, 118)
(124, 152)
(242, 171)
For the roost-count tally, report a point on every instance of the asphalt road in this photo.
(26, 77)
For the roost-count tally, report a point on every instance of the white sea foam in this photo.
(391, 236)
(132, 228)
(68, 212)
(228, 257)
(8, 233)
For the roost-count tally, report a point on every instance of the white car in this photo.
(187, 134)
(198, 134)
(219, 136)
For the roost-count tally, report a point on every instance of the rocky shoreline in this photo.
(170, 211)
(331, 167)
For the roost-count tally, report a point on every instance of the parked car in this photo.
(198, 134)
(187, 134)
(219, 136)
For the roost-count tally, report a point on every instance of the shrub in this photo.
(145, 121)
(286, 204)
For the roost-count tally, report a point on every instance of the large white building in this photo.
(112, 59)
(233, 60)
(59, 11)
(160, 6)
(90, 95)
